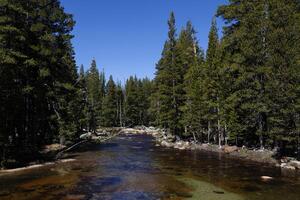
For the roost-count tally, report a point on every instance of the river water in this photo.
(133, 167)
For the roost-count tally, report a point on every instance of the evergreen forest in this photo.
(243, 90)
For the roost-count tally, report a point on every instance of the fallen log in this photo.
(68, 149)
(98, 139)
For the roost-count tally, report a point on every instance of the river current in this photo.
(133, 167)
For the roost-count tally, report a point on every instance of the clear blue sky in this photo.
(126, 37)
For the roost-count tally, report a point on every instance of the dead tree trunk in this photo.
(208, 132)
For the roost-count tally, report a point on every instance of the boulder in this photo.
(170, 138)
(154, 133)
(185, 145)
(295, 164)
(169, 145)
(152, 128)
(181, 145)
(178, 145)
(86, 136)
(193, 147)
(230, 149)
(166, 144)
(103, 133)
(266, 178)
(287, 159)
(287, 166)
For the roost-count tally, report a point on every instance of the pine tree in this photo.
(39, 82)
(120, 105)
(169, 81)
(246, 42)
(12, 57)
(110, 106)
(94, 96)
(188, 56)
(145, 91)
(82, 84)
(193, 107)
(283, 89)
(154, 105)
(132, 101)
(261, 43)
(212, 86)
(102, 94)
(165, 81)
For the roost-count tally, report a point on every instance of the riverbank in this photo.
(163, 139)
(256, 155)
(53, 153)
(46, 156)
(35, 166)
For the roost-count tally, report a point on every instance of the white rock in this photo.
(266, 178)
(204, 145)
(86, 135)
(283, 164)
(289, 167)
(286, 166)
(166, 144)
(295, 164)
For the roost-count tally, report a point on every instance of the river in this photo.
(133, 167)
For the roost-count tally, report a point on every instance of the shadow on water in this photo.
(132, 167)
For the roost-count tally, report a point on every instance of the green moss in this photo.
(206, 191)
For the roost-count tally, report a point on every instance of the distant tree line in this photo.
(109, 104)
(244, 90)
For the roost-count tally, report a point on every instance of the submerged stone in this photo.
(206, 191)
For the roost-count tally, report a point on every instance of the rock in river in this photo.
(295, 164)
(230, 149)
(86, 136)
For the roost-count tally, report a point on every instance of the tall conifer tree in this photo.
(169, 82)
(94, 96)
(110, 105)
